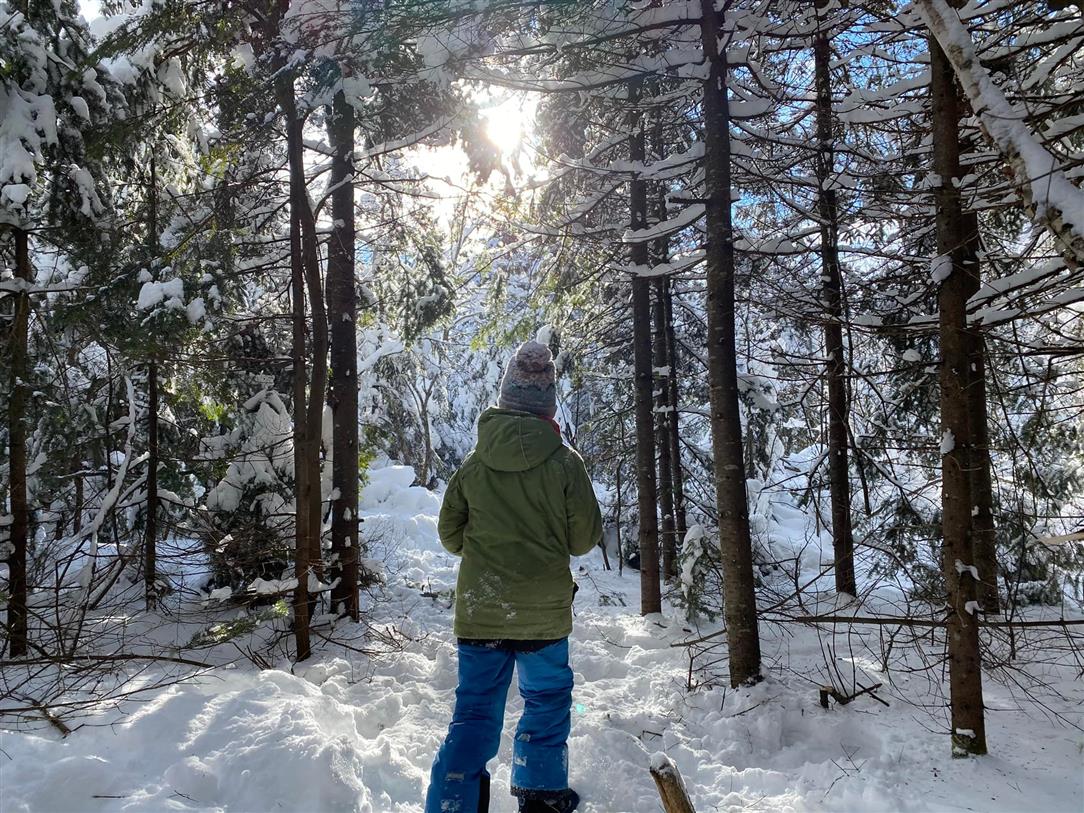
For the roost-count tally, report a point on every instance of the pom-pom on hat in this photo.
(530, 381)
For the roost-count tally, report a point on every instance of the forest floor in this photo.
(349, 732)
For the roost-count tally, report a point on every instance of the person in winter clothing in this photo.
(520, 505)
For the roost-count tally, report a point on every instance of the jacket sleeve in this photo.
(581, 509)
(453, 515)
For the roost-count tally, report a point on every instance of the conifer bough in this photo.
(1050, 198)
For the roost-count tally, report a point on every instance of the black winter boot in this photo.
(545, 801)
(483, 793)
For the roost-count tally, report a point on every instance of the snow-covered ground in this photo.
(344, 732)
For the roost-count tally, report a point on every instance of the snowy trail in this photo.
(348, 734)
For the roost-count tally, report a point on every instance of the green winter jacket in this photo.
(517, 509)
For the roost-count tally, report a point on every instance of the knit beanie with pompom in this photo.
(530, 381)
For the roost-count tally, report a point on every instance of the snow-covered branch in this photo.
(1051, 200)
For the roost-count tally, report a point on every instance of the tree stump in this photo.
(675, 798)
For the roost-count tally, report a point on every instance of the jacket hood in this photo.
(514, 441)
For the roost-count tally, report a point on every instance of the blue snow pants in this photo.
(459, 782)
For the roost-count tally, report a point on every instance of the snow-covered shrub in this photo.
(247, 523)
(700, 574)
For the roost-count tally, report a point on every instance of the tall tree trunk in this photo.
(303, 430)
(314, 289)
(735, 542)
(150, 540)
(647, 498)
(318, 379)
(618, 508)
(965, 666)
(20, 510)
(983, 531)
(227, 99)
(342, 311)
(831, 294)
(673, 426)
(664, 370)
(421, 398)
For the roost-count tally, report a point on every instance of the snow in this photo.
(16, 193)
(962, 568)
(677, 264)
(243, 54)
(272, 586)
(694, 547)
(27, 127)
(358, 89)
(660, 762)
(172, 77)
(196, 310)
(90, 203)
(153, 293)
(940, 268)
(79, 105)
(684, 219)
(348, 732)
(149, 295)
(221, 594)
(265, 453)
(948, 441)
(91, 83)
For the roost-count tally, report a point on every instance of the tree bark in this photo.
(618, 508)
(302, 432)
(832, 298)
(150, 539)
(673, 426)
(428, 466)
(647, 497)
(318, 379)
(735, 542)
(150, 542)
(227, 99)
(20, 510)
(343, 391)
(983, 530)
(662, 432)
(314, 289)
(965, 666)
(664, 369)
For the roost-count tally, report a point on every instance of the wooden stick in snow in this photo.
(675, 799)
